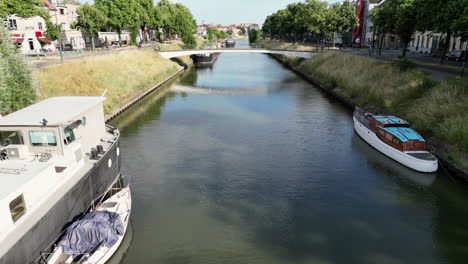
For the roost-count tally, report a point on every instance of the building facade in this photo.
(29, 34)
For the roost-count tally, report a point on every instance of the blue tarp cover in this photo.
(93, 230)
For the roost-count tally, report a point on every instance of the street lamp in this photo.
(58, 33)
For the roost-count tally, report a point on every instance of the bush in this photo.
(404, 65)
(189, 42)
(16, 89)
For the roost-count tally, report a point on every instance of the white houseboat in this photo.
(57, 158)
(393, 137)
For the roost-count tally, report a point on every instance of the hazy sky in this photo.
(228, 12)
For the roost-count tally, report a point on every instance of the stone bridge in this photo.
(179, 53)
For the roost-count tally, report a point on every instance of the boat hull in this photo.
(77, 200)
(416, 164)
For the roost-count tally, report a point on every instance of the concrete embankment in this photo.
(125, 78)
(438, 110)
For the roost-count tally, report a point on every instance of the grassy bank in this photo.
(276, 44)
(439, 110)
(124, 75)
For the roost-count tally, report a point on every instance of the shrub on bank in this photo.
(124, 75)
(16, 88)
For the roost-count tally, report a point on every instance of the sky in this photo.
(227, 12)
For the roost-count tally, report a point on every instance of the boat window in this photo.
(381, 132)
(69, 135)
(389, 136)
(396, 141)
(17, 208)
(43, 138)
(10, 137)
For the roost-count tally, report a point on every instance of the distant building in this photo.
(66, 16)
(28, 34)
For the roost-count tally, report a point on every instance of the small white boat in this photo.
(393, 137)
(120, 203)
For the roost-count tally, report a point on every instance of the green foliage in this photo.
(396, 17)
(342, 18)
(312, 17)
(189, 42)
(242, 30)
(253, 35)
(404, 64)
(230, 32)
(16, 90)
(90, 19)
(70, 2)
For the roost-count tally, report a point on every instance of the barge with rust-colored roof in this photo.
(393, 137)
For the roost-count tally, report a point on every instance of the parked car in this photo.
(115, 44)
(457, 55)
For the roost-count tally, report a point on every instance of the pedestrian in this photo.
(138, 41)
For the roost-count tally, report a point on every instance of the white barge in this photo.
(393, 137)
(57, 159)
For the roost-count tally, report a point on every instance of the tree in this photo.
(404, 25)
(90, 19)
(383, 19)
(441, 17)
(253, 35)
(230, 32)
(16, 89)
(70, 2)
(342, 19)
(242, 30)
(167, 12)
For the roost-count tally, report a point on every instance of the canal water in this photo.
(245, 162)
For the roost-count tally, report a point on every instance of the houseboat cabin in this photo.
(46, 151)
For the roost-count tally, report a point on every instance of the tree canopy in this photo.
(310, 19)
(144, 15)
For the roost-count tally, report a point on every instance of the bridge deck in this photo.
(179, 53)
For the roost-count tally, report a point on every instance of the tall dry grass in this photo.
(378, 82)
(443, 112)
(276, 44)
(124, 75)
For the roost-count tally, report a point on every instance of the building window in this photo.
(62, 11)
(42, 138)
(17, 208)
(427, 42)
(39, 25)
(31, 45)
(12, 24)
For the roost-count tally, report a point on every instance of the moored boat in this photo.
(57, 158)
(393, 137)
(94, 238)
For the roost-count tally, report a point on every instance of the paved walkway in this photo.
(423, 62)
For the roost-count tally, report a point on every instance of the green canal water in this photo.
(245, 162)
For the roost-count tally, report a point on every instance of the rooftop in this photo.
(14, 174)
(56, 110)
(404, 133)
(390, 120)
